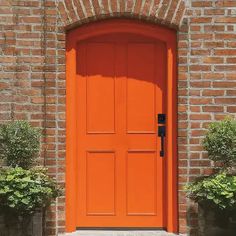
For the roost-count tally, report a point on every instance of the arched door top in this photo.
(123, 26)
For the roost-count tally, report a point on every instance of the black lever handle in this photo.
(162, 134)
(162, 153)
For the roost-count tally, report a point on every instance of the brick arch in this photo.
(165, 12)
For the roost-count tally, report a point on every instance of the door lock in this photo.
(161, 118)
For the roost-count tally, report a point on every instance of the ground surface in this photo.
(119, 233)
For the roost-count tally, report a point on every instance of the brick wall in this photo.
(32, 81)
(207, 84)
(32, 74)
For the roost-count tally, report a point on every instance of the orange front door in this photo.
(120, 89)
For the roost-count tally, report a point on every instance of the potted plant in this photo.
(25, 188)
(216, 194)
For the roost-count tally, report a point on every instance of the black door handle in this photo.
(162, 134)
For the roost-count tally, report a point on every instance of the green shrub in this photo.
(20, 143)
(217, 190)
(22, 192)
(220, 141)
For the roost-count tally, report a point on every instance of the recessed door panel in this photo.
(100, 183)
(141, 88)
(100, 88)
(141, 183)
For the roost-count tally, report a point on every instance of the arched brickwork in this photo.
(166, 12)
(169, 13)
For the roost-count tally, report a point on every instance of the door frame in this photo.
(169, 37)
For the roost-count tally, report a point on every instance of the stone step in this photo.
(120, 233)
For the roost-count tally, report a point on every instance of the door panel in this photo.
(141, 183)
(100, 88)
(140, 83)
(120, 90)
(100, 183)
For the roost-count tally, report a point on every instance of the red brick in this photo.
(213, 60)
(225, 3)
(231, 60)
(205, 36)
(225, 100)
(202, 4)
(231, 92)
(130, 4)
(200, 116)
(195, 28)
(122, 6)
(225, 52)
(213, 28)
(213, 109)
(171, 11)
(137, 8)
(213, 76)
(201, 20)
(200, 52)
(225, 20)
(71, 10)
(105, 6)
(225, 68)
(163, 9)
(224, 36)
(231, 44)
(154, 8)
(79, 9)
(200, 68)
(209, 92)
(231, 109)
(199, 101)
(180, 13)
(224, 84)
(214, 11)
(114, 6)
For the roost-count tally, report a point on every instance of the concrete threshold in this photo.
(120, 233)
